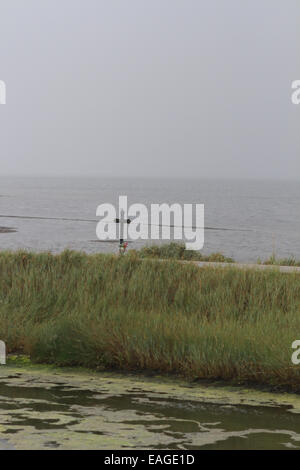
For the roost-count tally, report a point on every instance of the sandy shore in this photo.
(259, 267)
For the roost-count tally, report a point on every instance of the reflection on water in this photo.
(37, 414)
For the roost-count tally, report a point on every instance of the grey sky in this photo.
(195, 88)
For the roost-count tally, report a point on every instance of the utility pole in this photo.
(122, 233)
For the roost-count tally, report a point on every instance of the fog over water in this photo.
(196, 88)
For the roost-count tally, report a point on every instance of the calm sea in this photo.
(263, 216)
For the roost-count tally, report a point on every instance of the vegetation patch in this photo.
(124, 313)
(179, 252)
(274, 261)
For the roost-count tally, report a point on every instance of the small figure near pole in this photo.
(122, 247)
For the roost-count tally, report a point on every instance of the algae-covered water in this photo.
(49, 409)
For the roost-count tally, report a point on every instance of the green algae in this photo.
(46, 408)
(157, 384)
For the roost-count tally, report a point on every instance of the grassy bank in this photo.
(102, 311)
(177, 251)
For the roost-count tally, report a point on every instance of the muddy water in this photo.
(42, 409)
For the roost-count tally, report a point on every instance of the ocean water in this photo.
(247, 219)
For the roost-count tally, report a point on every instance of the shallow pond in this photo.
(40, 410)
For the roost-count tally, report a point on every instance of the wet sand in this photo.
(7, 230)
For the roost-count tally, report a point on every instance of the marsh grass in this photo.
(178, 251)
(103, 311)
(273, 260)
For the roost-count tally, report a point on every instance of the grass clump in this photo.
(103, 311)
(274, 261)
(178, 251)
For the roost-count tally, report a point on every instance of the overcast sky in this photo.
(198, 88)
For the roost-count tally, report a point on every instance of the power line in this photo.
(66, 219)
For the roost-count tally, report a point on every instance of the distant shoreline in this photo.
(7, 230)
